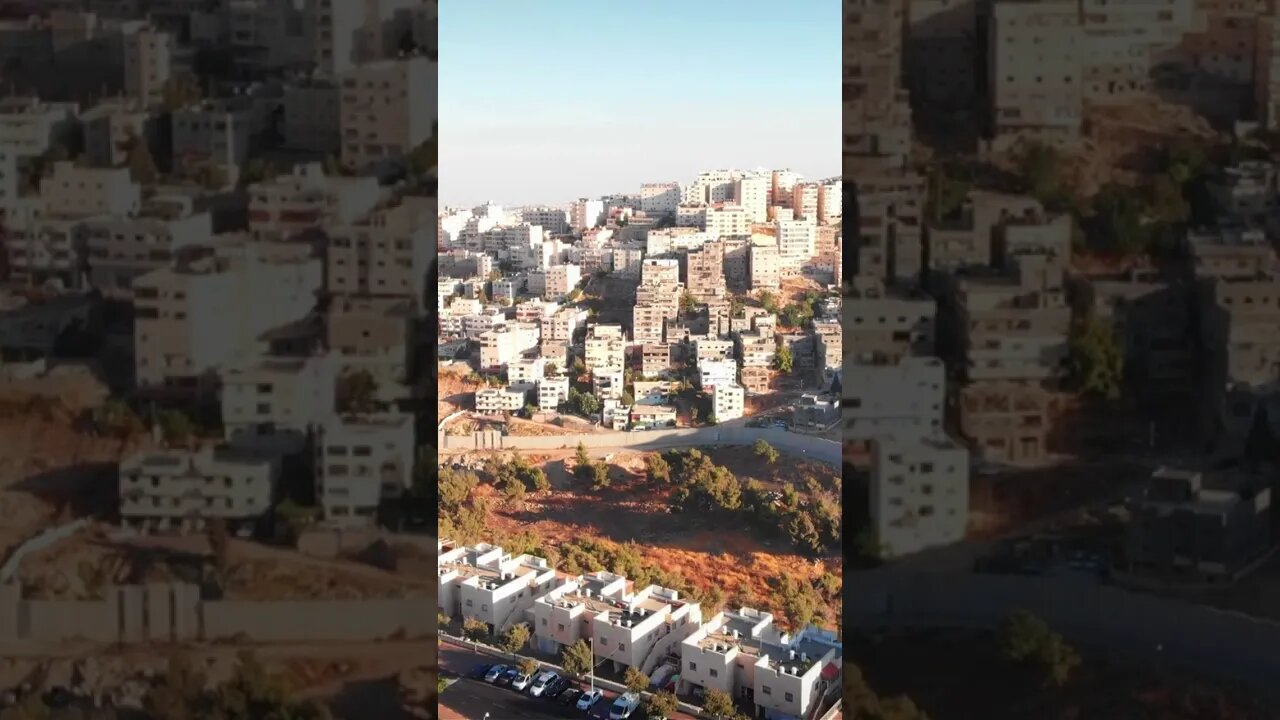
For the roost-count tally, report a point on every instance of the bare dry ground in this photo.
(455, 391)
(631, 509)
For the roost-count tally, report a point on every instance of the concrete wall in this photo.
(287, 621)
(816, 449)
(161, 612)
(1146, 628)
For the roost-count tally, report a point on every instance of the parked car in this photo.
(624, 706)
(570, 696)
(589, 698)
(556, 688)
(507, 677)
(479, 671)
(493, 673)
(543, 682)
(520, 681)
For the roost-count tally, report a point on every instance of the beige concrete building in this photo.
(1009, 422)
(385, 255)
(185, 489)
(71, 191)
(765, 267)
(877, 112)
(496, 401)
(375, 334)
(111, 127)
(118, 249)
(902, 399)
(919, 492)
(30, 126)
(566, 614)
(889, 223)
(655, 359)
(488, 584)
(1035, 64)
(276, 401)
(704, 271)
(148, 60)
(804, 201)
(388, 109)
(359, 463)
(505, 344)
(306, 199)
(213, 135)
(644, 627)
(886, 324)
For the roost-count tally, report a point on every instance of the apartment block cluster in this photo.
(269, 245)
(509, 282)
(740, 652)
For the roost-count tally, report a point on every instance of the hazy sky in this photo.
(545, 102)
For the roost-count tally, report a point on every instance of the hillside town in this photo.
(215, 245)
(1061, 365)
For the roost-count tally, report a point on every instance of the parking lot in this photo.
(469, 698)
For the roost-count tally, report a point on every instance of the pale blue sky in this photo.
(545, 102)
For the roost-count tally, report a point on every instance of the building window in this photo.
(468, 603)
(714, 672)
(560, 625)
(765, 689)
(789, 697)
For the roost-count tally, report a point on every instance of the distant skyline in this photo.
(542, 103)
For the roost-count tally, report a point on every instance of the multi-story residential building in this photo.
(1183, 528)
(386, 254)
(487, 584)
(765, 265)
(972, 238)
(185, 489)
(29, 126)
(1231, 252)
(306, 199)
(900, 399)
(877, 110)
(111, 128)
(148, 60)
(717, 372)
(828, 340)
(374, 334)
(727, 402)
(712, 349)
(890, 240)
(214, 136)
(652, 416)
(725, 221)
(1153, 315)
(886, 324)
(313, 116)
(1240, 351)
(361, 461)
(751, 193)
(830, 201)
(388, 109)
(495, 401)
(207, 309)
(605, 347)
(563, 323)
(1246, 192)
(1035, 67)
(560, 280)
(659, 198)
(691, 214)
(741, 653)
(941, 46)
(647, 322)
(585, 214)
(919, 492)
(566, 614)
(277, 401)
(118, 249)
(643, 627)
(71, 191)
(505, 344)
(552, 391)
(655, 359)
(552, 220)
(796, 241)
(1009, 422)
(756, 348)
(704, 271)
(804, 202)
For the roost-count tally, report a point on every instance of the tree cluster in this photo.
(180, 693)
(1028, 640)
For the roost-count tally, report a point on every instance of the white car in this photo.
(520, 682)
(589, 698)
(624, 706)
(542, 682)
(494, 673)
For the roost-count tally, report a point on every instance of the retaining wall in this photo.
(302, 620)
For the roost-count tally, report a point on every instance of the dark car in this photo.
(479, 671)
(505, 678)
(569, 697)
(560, 685)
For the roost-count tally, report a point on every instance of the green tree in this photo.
(515, 638)
(176, 428)
(292, 519)
(688, 303)
(475, 630)
(661, 705)
(718, 703)
(768, 302)
(178, 693)
(577, 659)
(1119, 219)
(765, 451)
(1040, 167)
(1025, 638)
(657, 469)
(550, 370)
(514, 489)
(600, 476)
(357, 392)
(635, 680)
(455, 488)
(1095, 359)
(442, 620)
(783, 359)
(142, 165)
(528, 666)
(180, 90)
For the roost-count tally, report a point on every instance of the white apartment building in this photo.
(552, 220)
(359, 463)
(643, 627)
(727, 221)
(276, 401)
(562, 324)
(764, 266)
(586, 214)
(1035, 70)
(71, 191)
(526, 371)
(552, 391)
(487, 584)
(830, 201)
(709, 348)
(567, 613)
(727, 402)
(386, 254)
(796, 241)
(659, 198)
(558, 280)
(192, 318)
(184, 489)
(148, 59)
(30, 126)
(505, 344)
(903, 399)
(307, 198)
(495, 401)
(919, 492)
(213, 134)
(118, 249)
(654, 271)
(388, 109)
(605, 347)
(751, 193)
(717, 372)
(691, 214)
